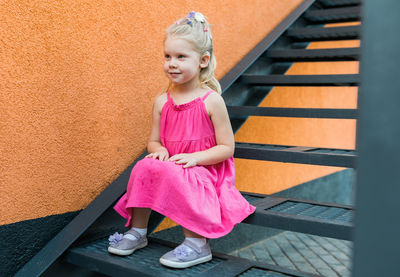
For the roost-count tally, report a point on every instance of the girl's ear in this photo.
(205, 59)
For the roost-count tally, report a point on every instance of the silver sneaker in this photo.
(186, 254)
(120, 245)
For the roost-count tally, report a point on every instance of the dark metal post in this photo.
(377, 233)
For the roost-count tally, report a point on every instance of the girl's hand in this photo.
(189, 160)
(161, 154)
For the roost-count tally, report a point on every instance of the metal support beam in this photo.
(301, 80)
(377, 232)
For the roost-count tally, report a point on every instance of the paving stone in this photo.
(278, 256)
(294, 256)
(261, 253)
(314, 260)
(333, 250)
(318, 255)
(247, 254)
(343, 246)
(343, 271)
(328, 273)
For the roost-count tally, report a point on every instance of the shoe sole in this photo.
(185, 264)
(127, 252)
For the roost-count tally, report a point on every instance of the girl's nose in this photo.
(172, 63)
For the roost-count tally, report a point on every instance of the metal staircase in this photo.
(83, 243)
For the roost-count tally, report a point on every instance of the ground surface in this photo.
(319, 255)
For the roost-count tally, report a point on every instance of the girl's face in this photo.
(182, 63)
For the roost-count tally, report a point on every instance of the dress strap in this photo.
(169, 97)
(207, 94)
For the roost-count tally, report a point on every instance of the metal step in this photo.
(324, 34)
(301, 80)
(145, 262)
(334, 15)
(292, 112)
(339, 3)
(326, 55)
(322, 219)
(296, 154)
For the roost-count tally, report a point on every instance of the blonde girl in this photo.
(189, 175)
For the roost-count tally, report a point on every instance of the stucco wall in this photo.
(77, 80)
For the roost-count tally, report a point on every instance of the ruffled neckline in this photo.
(183, 106)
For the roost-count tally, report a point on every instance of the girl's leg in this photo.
(190, 234)
(140, 217)
(194, 238)
(135, 238)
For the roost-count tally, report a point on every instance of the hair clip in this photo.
(205, 30)
(191, 15)
(195, 16)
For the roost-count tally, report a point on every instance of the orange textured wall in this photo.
(77, 79)
(271, 177)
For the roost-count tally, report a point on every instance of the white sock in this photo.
(199, 242)
(141, 231)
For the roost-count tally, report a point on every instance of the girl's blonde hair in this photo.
(195, 29)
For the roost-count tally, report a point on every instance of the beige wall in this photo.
(77, 79)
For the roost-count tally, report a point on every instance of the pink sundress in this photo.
(202, 199)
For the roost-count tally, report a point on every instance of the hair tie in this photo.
(205, 29)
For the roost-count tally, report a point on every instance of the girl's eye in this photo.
(167, 56)
(181, 56)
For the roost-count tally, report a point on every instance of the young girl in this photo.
(189, 175)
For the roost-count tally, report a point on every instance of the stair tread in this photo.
(301, 80)
(296, 154)
(260, 272)
(335, 54)
(337, 3)
(292, 112)
(320, 34)
(342, 14)
(145, 262)
(324, 219)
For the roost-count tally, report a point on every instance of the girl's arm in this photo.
(223, 133)
(154, 147)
